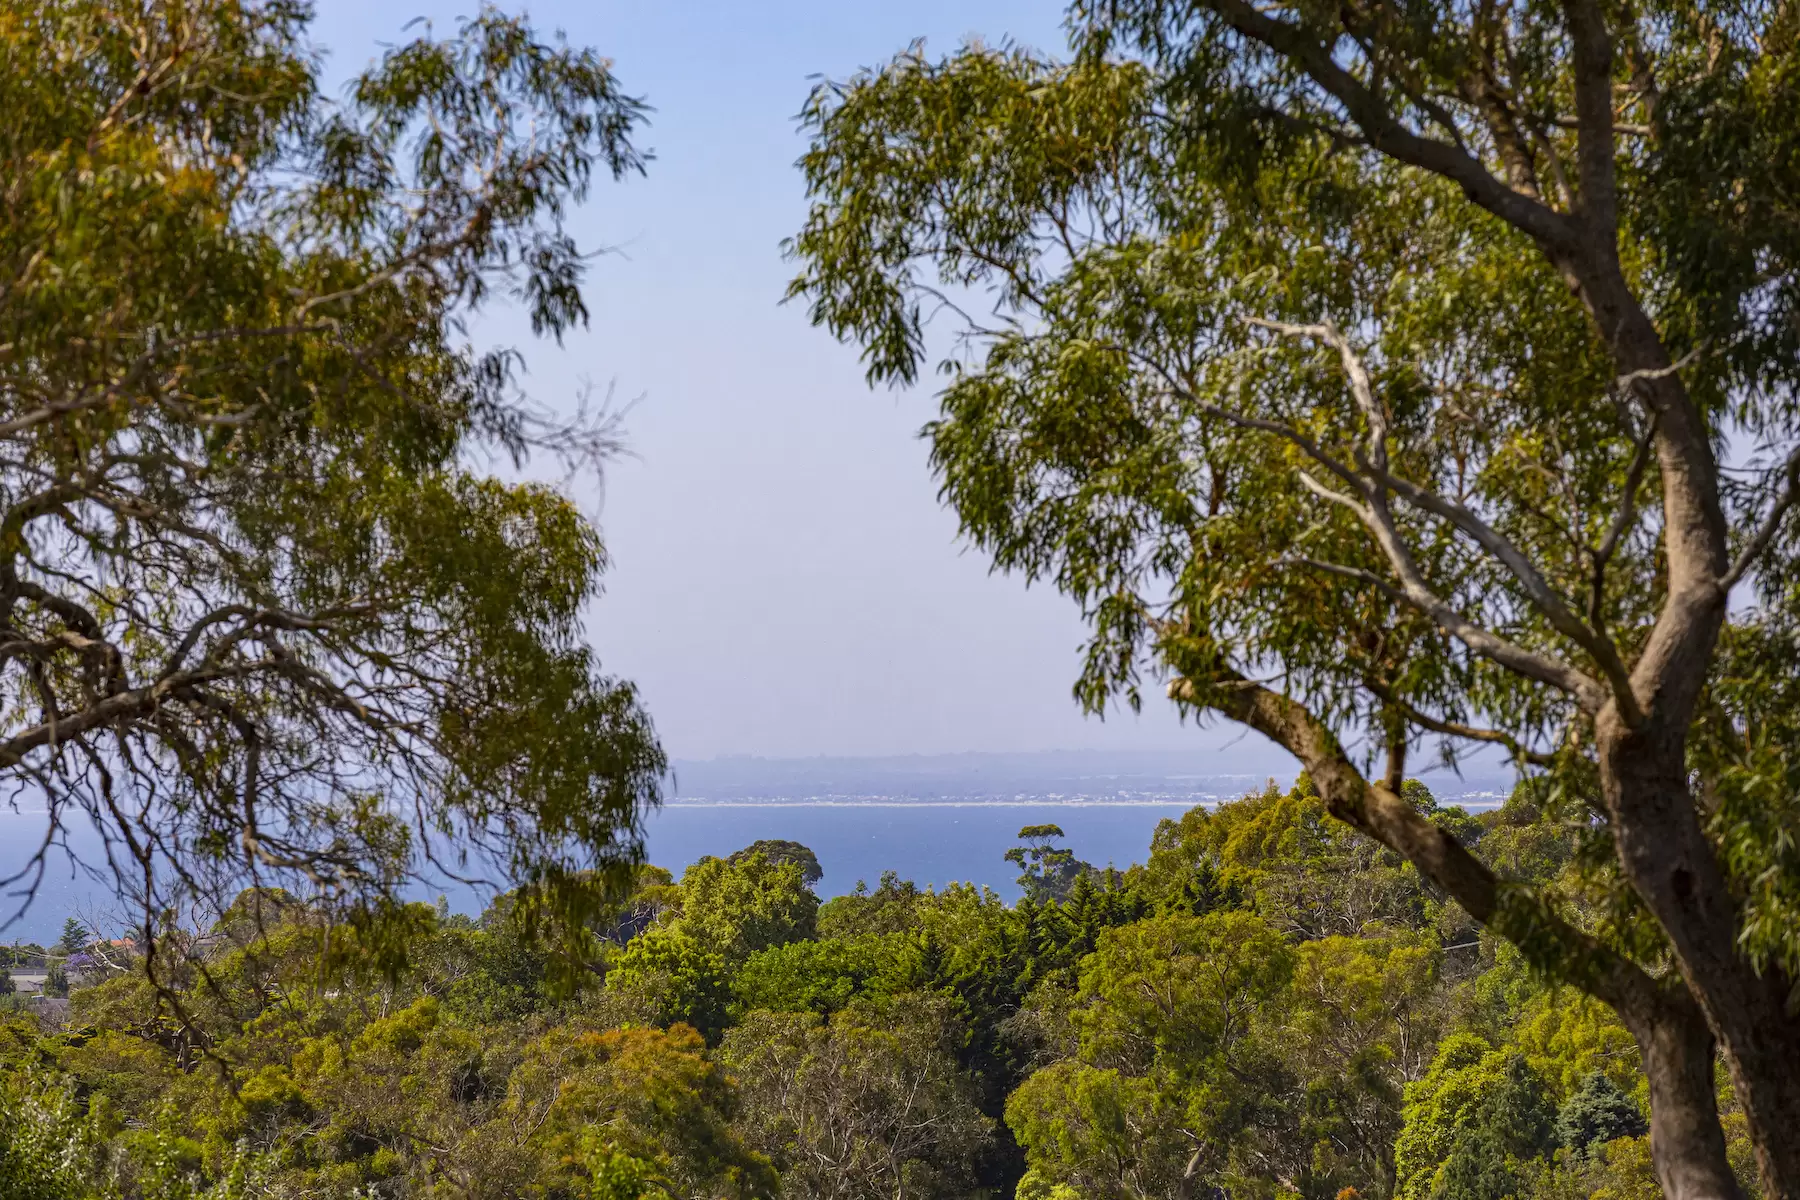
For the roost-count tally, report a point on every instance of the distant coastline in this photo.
(1073, 778)
(932, 818)
(890, 802)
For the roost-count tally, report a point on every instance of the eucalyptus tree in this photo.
(1385, 376)
(265, 615)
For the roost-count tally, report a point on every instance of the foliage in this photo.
(75, 937)
(728, 912)
(826, 975)
(777, 850)
(47, 1150)
(870, 1105)
(258, 575)
(1048, 871)
(1389, 379)
(51, 1150)
(1282, 852)
(1470, 1123)
(1598, 1113)
(657, 1097)
(746, 1041)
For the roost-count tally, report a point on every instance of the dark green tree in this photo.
(727, 912)
(1513, 1124)
(1368, 370)
(252, 572)
(777, 850)
(1597, 1112)
(74, 938)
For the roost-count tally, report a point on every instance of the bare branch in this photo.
(1374, 514)
(1586, 691)
(1627, 516)
(1361, 388)
(1537, 589)
(1771, 523)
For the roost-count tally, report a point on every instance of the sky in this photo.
(783, 580)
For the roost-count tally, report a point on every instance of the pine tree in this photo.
(75, 937)
(1597, 1113)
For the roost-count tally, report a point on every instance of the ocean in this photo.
(934, 820)
(929, 842)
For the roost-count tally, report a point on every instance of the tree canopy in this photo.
(1395, 378)
(1269, 1006)
(264, 614)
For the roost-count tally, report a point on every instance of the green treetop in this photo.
(1047, 871)
(1598, 1112)
(75, 937)
(778, 850)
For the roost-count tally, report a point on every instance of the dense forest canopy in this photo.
(1270, 1005)
(1399, 378)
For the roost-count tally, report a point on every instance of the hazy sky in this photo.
(784, 581)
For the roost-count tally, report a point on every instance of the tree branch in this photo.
(1387, 135)
(1627, 516)
(1413, 589)
(1771, 524)
(1472, 733)
(1537, 588)
(1548, 942)
(1597, 202)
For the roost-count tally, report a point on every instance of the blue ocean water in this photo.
(930, 842)
(932, 819)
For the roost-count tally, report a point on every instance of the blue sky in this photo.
(784, 580)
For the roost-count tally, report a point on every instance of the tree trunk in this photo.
(1687, 1144)
(1671, 865)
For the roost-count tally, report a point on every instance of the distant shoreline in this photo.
(1026, 802)
(1481, 800)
